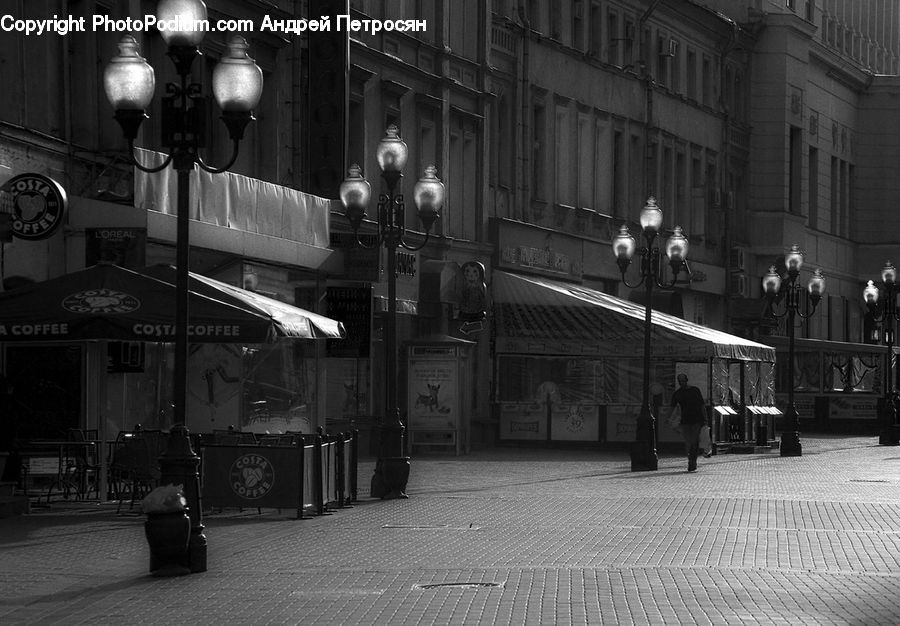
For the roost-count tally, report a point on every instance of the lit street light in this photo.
(237, 86)
(773, 286)
(392, 469)
(643, 450)
(884, 309)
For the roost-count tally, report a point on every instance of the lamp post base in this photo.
(889, 436)
(390, 478)
(643, 459)
(790, 444)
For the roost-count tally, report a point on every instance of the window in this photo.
(586, 160)
(555, 20)
(662, 60)
(612, 30)
(539, 174)
(813, 191)
(674, 66)
(618, 173)
(563, 143)
(596, 30)
(835, 197)
(628, 43)
(691, 71)
(578, 24)
(794, 171)
(707, 82)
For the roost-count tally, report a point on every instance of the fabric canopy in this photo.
(540, 315)
(110, 302)
(290, 321)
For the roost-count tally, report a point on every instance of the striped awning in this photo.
(541, 315)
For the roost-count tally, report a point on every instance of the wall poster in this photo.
(433, 401)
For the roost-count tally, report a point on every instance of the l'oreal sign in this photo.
(38, 205)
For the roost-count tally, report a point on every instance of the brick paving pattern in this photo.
(506, 536)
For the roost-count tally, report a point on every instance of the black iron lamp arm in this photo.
(792, 298)
(623, 268)
(219, 170)
(143, 168)
(651, 268)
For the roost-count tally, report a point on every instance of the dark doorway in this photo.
(44, 392)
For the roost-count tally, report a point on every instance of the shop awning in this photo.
(541, 315)
(109, 302)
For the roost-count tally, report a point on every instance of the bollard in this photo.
(178, 465)
(168, 531)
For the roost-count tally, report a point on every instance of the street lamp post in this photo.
(772, 284)
(237, 86)
(392, 468)
(643, 450)
(884, 309)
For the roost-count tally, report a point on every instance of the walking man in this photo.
(693, 417)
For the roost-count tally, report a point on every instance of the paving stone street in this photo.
(505, 536)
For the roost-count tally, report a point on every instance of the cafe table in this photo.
(66, 453)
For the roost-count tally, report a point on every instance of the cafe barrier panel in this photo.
(311, 475)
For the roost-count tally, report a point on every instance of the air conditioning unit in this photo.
(739, 286)
(737, 259)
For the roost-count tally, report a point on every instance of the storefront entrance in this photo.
(43, 392)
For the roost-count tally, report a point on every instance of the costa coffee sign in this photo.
(38, 205)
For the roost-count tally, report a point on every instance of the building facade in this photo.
(755, 125)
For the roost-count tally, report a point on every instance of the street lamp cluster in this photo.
(129, 83)
(883, 308)
(774, 285)
(643, 451)
(392, 468)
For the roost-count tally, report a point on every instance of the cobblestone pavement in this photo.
(506, 536)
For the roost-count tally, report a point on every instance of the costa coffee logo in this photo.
(38, 205)
(251, 476)
(101, 301)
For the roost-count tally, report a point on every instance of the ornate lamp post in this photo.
(773, 285)
(237, 86)
(643, 450)
(884, 309)
(392, 468)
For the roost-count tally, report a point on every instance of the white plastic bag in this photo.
(705, 442)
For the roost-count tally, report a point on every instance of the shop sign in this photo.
(123, 246)
(38, 205)
(353, 307)
(521, 246)
(537, 258)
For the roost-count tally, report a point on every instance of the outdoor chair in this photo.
(82, 465)
(133, 470)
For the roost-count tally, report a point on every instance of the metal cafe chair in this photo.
(132, 470)
(82, 464)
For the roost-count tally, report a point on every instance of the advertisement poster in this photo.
(523, 421)
(575, 422)
(621, 421)
(850, 408)
(347, 388)
(433, 394)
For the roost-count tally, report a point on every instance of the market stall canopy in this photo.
(290, 321)
(110, 302)
(540, 315)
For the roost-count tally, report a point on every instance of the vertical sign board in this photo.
(329, 76)
(353, 307)
(434, 385)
